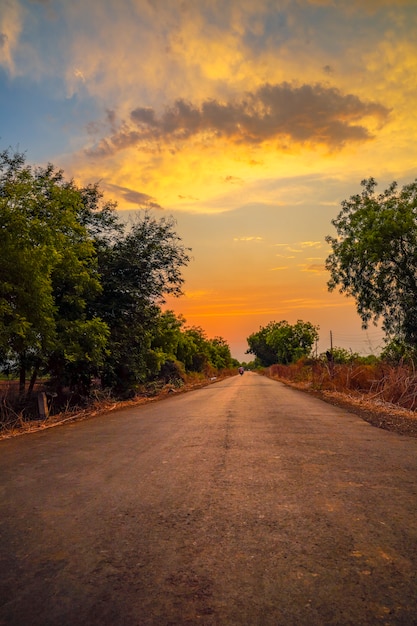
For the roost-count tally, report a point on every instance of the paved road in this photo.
(242, 503)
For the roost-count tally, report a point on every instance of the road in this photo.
(242, 503)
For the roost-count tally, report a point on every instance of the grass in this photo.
(382, 394)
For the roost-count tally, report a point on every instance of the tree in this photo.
(281, 342)
(396, 352)
(259, 346)
(220, 356)
(80, 291)
(47, 267)
(167, 333)
(374, 257)
(193, 349)
(162, 358)
(137, 270)
(340, 356)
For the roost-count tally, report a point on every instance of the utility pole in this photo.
(330, 358)
(331, 352)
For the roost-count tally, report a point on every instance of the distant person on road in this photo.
(241, 370)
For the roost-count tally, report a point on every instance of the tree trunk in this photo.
(33, 379)
(22, 377)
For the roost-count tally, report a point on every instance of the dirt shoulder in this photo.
(22, 427)
(379, 414)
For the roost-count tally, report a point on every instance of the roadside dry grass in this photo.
(381, 395)
(17, 425)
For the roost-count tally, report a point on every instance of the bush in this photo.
(378, 380)
(172, 372)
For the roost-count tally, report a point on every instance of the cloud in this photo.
(191, 198)
(79, 74)
(310, 244)
(247, 238)
(142, 200)
(233, 179)
(306, 114)
(10, 31)
(313, 267)
(298, 246)
(198, 294)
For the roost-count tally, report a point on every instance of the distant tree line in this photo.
(81, 291)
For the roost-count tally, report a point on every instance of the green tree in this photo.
(374, 257)
(193, 349)
(47, 267)
(167, 333)
(166, 337)
(396, 351)
(219, 353)
(281, 342)
(138, 268)
(80, 292)
(340, 356)
(259, 346)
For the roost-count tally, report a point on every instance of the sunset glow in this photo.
(249, 122)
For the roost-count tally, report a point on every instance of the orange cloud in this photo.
(247, 238)
(303, 114)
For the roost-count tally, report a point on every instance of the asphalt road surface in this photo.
(241, 503)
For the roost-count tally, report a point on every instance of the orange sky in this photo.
(249, 122)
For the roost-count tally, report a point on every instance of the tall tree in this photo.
(47, 265)
(259, 346)
(138, 269)
(281, 342)
(219, 351)
(374, 257)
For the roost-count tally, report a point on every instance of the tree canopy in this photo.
(281, 342)
(81, 291)
(48, 267)
(137, 269)
(374, 256)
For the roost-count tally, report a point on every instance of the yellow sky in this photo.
(249, 122)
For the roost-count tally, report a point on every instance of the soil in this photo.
(382, 415)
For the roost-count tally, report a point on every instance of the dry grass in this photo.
(384, 395)
(13, 424)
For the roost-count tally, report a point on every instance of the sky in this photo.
(248, 122)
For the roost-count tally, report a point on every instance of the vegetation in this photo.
(281, 342)
(81, 297)
(48, 269)
(374, 258)
(363, 379)
(81, 292)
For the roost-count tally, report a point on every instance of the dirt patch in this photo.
(378, 413)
